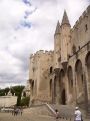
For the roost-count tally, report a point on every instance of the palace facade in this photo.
(62, 76)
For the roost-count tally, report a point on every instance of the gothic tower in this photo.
(65, 38)
(57, 47)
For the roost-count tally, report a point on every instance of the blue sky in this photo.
(25, 24)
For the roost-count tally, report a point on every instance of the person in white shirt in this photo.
(78, 114)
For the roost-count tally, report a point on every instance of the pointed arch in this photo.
(79, 75)
(32, 87)
(62, 87)
(50, 87)
(87, 61)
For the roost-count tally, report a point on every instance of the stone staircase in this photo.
(39, 110)
(66, 112)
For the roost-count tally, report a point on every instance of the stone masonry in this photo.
(62, 76)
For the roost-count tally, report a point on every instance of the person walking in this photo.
(78, 115)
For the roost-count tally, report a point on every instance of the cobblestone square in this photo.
(29, 117)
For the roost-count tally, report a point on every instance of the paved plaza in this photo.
(29, 117)
(24, 117)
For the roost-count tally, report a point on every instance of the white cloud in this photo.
(17, 40)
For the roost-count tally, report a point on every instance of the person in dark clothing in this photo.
(57, 114)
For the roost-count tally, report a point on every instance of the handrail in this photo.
(50, 108)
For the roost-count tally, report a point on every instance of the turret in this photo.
(57, 31)
(57, 45)
(65, 38)
(65, 20)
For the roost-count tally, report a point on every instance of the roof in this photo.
(65, 19)
(57, 31)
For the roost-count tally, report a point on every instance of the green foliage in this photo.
(18, 92)
(15, 89)
(25, 101)
(19, 100)
(4, 91)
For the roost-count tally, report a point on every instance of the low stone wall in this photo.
(7, 101)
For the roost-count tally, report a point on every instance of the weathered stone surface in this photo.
(62, 76)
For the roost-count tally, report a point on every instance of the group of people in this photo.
(17, 111)
(77, 115)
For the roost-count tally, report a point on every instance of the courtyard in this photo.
(30, 117)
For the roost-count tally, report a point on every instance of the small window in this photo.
(86, 27)
(51, 68)
(74, 49)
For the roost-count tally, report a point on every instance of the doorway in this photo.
(63, 97)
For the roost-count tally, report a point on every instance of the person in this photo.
(78, 114)
(57, 114)
(21, 110)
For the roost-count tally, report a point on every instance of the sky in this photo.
(27, 26)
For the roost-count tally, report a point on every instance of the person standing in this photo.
(21, 110)
(57, 114)
(78, 114)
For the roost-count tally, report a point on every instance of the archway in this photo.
(79, 76)
(87, 59)
(32, 87)
(62, 88)
(88, 65)
(50, 87)
(63, 97)
(57, 89)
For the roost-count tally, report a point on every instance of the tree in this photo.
(15, 89)
(25, 101)
(19, 100)
(18, 92)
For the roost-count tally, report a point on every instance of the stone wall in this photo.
(8, 101)
(63, 76)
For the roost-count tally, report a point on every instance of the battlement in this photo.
(41, 52)
(84, 14)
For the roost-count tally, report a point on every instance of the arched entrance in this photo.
(62, 87)
(88, 65)
(87, 59)
(63, 97)
(57, 89)
(50, 87)
(32, 87)
(79, 80)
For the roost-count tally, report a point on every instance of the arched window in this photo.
(86, 27)
(32, 86)
(50, 87)
(51, 69)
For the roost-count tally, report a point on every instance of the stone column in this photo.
(86, 87)
(74, 87)
(66, 88)
(53, 91)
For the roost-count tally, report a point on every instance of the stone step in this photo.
(39, 110)
(65, 110)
